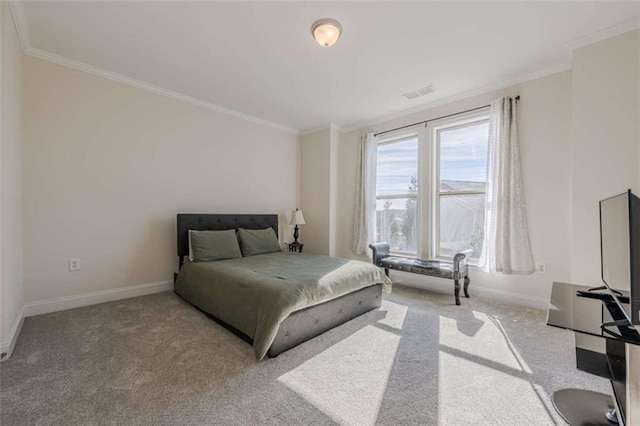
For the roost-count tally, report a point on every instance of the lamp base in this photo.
(296, 234)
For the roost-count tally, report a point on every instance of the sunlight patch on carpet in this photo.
(484, 338)
(395, 314)
(473, 393)
(347, 382)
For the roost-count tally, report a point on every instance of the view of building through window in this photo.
(397, 190)
(459, 166)
(462, 185)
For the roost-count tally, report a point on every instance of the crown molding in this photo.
(20, 21)
(17, 11)
(100, 72)
(588, 39)
(604, 34)
(330, 126)
(564, 66)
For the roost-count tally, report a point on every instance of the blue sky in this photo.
(397, 162)
(463, 156)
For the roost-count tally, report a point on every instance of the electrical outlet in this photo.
(74, 264)
(541, 268)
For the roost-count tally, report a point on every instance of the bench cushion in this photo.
(417, 266)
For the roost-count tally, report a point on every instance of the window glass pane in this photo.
(461, 225)
(396, 223)
(463, 158)
(397, 167)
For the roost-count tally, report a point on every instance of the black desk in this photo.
(573, 307)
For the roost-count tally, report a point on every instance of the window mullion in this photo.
(396, 196)
(445, 193)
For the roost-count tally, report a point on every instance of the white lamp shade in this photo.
(326, 31)
(297, 218)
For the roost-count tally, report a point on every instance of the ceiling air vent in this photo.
(419, 92)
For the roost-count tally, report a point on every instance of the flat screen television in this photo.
(620, 251)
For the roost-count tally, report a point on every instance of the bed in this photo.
(274, 301)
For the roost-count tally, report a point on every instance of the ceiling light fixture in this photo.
(326, 31)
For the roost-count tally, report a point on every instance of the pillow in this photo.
(258, 241)
(207, 246)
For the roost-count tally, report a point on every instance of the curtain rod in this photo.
(517, 98)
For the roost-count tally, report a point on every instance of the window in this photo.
(460, 186)
(397, 193)
(431, 188)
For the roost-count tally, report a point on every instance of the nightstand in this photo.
(295, 247)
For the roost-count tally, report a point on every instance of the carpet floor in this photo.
(420, 359)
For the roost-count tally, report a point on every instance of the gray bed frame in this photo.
(301, 325)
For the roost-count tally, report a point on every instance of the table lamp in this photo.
(296, 219)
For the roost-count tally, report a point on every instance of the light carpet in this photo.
(418, 360)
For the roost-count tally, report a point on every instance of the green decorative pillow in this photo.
(258, 241)
(207, 246)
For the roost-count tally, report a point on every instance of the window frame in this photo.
(433, 131)
(428, 178)
(396, 137)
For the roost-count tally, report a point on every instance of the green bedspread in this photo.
(255, 294)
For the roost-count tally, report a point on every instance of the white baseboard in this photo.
(7, 348)
(80, 300)
(484, 292)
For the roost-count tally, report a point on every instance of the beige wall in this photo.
(315, 189)
(334, 144)
(11, 286)
(580, 142)
(605, 141)
(319, 188)
(545, 151)
(108, 166)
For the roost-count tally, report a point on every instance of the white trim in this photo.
(564, 66)
(330, 126)
(591, 38)
(13, 336)
(434, 129)
(397, 135)
(446, 286)
(99, 72)
(17, 9)
(87, 299)
(604, 34)
(20, 21)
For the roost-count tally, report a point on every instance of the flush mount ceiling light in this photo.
(326, 31)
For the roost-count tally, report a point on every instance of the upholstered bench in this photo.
(455, 270)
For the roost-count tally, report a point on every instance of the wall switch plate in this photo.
(541, 268)
(74, 264)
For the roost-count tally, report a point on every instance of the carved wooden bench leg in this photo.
(457, 291)
(466, 286)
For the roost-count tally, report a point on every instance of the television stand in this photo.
(585, 407)
(604, 287)
(596, 317)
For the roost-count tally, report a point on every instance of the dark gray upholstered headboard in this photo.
(219, 222)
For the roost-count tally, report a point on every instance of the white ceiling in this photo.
(259, 58)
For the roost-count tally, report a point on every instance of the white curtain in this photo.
(364, 226)
(506, 246)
